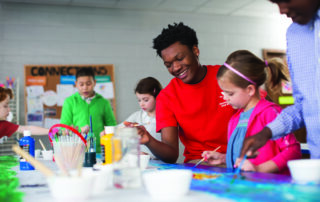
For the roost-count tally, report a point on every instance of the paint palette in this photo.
(251, 187)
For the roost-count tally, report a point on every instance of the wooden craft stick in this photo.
(42, 145)
(61, 166)
(38, 165)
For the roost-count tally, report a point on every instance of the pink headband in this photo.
(239, 73)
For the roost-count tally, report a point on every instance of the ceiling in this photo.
(256, 8)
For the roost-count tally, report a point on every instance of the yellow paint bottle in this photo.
(117, 149)
(106, 145)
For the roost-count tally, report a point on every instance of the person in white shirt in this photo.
(146, 91)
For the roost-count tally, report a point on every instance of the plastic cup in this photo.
(47, 154)
(70, 188)
(144, 161)
(37, 153)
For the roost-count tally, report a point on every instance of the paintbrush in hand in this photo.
(238, 169)
(204, 158)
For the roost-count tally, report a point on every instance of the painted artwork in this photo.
(224, 184)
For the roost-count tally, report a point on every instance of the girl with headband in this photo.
(240, 78)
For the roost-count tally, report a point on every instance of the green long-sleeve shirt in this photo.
(77, 112)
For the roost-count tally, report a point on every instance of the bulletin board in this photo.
(46, 87)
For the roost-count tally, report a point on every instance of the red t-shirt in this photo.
(200, 112)
(7, 128)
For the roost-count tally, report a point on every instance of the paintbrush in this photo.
(142, 124)
(238, 169)
(42, 145)
(38, 165)
(204, 158)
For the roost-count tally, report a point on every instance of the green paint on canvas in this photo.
(8, 180)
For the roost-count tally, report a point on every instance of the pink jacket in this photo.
(281, 150)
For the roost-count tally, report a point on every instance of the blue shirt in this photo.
(303, 52)
(236, 139)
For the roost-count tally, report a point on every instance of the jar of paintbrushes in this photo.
(68, 146)
(90, 154)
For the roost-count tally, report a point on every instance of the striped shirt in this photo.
(303, 52)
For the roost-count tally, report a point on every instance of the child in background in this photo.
(240, 78)
(274, 88)
(78, 108)
(146, 91)
(7, 128)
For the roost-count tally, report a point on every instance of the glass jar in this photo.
(126, 160)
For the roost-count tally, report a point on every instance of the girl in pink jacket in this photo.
(240, 78)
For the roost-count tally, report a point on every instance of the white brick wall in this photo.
(33, 34)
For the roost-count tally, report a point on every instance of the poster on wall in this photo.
(104, 86)
(36, 81)
(49, 98)
(35, 91)
(105, 89)
(35, 119)
(64, 91)
(34, 105)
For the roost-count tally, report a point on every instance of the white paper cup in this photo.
(102, 179)
(107, 173)
(47, 154)
(70, 188)
(144, 161)
(133, 160)
(37, 153)
(304, 171)
(168, 184)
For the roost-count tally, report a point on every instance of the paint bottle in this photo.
(116, 148)
(106, 145)
(27, 144)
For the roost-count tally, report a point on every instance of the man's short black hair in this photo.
(86, 71)
(175, 33)
(280, 1)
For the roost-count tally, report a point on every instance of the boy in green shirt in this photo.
(78, 108)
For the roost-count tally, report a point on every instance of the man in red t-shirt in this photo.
(191, 106)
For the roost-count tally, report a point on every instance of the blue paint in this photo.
(27, 144)
(249, 186)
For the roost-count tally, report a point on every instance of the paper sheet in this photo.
(49, 98)
(64, 91)
(48, 122)
(105, 89)
(34, 105)
(34, 91)
(35, 119)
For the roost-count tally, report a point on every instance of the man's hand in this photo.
(253, 143)
(247, 165)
